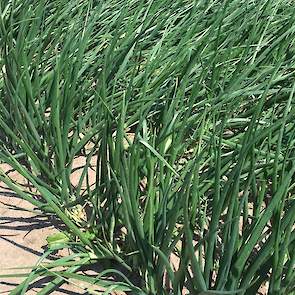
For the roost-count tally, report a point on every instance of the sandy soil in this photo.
(22, 241)
(23, 233)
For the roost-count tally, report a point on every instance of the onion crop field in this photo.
(183, 112)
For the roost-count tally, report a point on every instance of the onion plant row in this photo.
(187, 109)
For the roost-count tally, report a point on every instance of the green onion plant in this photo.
(185, 112)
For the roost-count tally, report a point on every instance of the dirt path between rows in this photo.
(23, 232)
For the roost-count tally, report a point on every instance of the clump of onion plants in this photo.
(184, 113)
